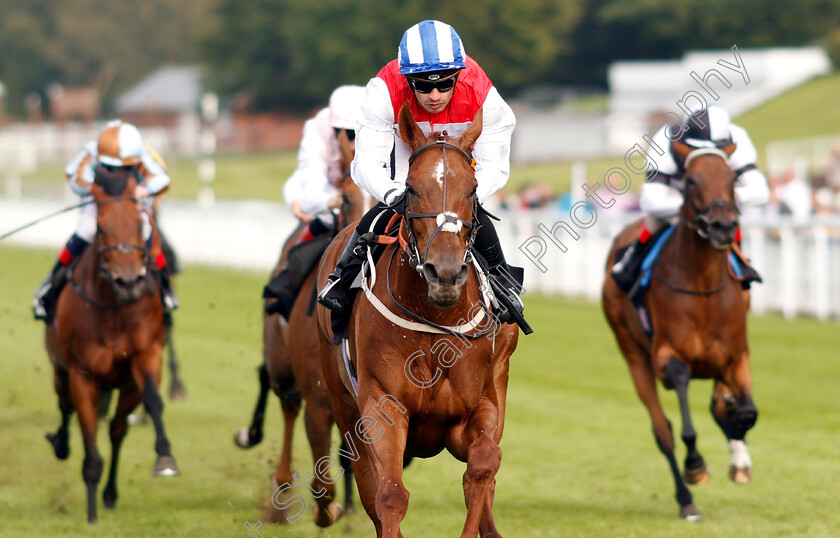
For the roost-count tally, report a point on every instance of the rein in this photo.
(447, 221)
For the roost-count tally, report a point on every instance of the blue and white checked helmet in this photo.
(430, 46)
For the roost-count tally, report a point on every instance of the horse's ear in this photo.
(467, 140)
(410, 132)
(681, 149)
(730, 149)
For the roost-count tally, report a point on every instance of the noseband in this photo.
(699, 221)
(447, 221)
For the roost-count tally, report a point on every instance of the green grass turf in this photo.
(579, 458)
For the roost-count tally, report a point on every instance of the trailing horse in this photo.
(426, 364)
(109, 333)
(696, 312)
(291, 368)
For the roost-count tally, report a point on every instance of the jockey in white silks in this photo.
(661, 196)
(445, 88)
(314, 189)
(119, 146)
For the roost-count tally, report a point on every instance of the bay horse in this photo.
(698, 318)
(109, 333)
(291, 368)
(433, 384)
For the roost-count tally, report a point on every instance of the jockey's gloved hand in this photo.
(396, 201)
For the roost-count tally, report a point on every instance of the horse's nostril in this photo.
(430, 272)
(463, 273)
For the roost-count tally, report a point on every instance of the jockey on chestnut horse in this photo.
(320, 186)
(109, 331)
(435, 281)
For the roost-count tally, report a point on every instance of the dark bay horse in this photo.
(109, 333)
(431, 384)
(698, 316)
(291, 368)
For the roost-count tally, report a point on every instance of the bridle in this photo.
(102, 267)
(447, 221)
(699, 221)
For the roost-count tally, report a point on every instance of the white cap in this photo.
(346, 107)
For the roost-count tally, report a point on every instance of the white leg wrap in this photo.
(740, 458)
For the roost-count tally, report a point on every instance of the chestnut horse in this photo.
(109, 333)
(698, 317)
(435, 382)
(292, 370)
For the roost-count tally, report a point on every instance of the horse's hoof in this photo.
(697, 476)
(325, 518)
(59, 444)
(241, 438)
(165, 466)
(109, 497)
(690, 512)
(177, 392)
(740, 475)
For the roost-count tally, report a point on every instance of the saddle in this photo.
(286, 285)
(738, 266)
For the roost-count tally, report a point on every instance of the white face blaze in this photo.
(441, 170)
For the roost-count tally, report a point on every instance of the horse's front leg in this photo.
(129, 398)
(147, 370)
(678, 375)
(85, 395)
(735, 413)
(386, 447)
(60, 439)
(480, 437)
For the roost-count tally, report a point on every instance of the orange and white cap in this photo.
(120, 144)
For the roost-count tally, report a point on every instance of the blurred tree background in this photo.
(289, 55)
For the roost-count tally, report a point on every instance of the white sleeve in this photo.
(73, 166)
(157, 179)
(309, 184)
(751, 185)
(371, 168)
(659, 200)
(492, 149)
(81, 179)
(752, 188)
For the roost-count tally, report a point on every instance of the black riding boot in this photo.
(282, 289)
(170, 302)
(334, 295)
(626, 271)
(506, 282)
(46, 296)
(749, 274)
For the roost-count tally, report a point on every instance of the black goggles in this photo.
(351, 133)
(442, 85)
